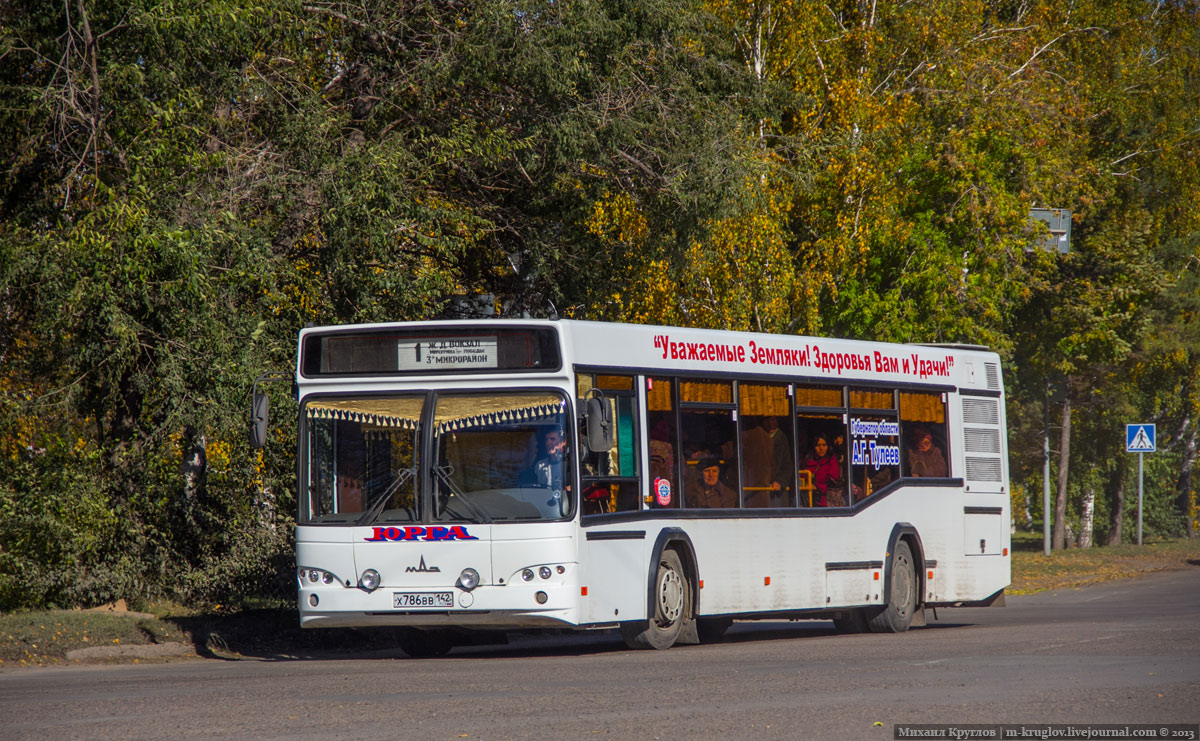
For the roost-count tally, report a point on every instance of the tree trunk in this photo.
(1064, 457)
(1117, 487)
(1086, 517)
(1184, 487)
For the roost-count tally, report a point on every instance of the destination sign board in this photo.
(469, 352)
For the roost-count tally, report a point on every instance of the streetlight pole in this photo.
(1046, 469)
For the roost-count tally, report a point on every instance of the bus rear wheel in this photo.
(897, 615)
(671, 606)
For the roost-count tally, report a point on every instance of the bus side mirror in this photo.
(599, 425)
(258, 420)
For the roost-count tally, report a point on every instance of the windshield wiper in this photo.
(443, 473)
(382, 499)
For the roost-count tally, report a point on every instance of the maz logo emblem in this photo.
(422, 568)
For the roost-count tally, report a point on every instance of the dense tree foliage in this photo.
(185, 184)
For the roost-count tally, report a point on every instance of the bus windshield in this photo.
(499, 456)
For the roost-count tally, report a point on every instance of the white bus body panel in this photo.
(499, 553)
(748, 565)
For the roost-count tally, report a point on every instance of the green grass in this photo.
(1033, 571)
(45, 637)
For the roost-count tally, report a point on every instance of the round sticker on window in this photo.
(662, 492)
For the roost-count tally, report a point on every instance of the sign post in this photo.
(1140, 439)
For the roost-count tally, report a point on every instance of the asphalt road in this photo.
(1126, 652)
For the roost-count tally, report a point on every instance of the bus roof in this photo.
(681, 350)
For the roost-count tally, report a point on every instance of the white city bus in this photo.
(460, 476)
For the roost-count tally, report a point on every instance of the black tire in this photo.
(852, 621)
(897, 615)
(425, 644)
(672, 604)
(711, 630)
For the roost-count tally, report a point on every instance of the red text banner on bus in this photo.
(810, 356)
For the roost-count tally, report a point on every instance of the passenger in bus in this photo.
(826, 474)
(924, 459)
(757, 465)
(546, 471)
(875, 480)
(709, 492)
(693, 454)
(781, 463)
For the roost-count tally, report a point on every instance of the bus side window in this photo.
(611, 478)
(768, 472)
(663, 444)
(708, 436)
(822, 459)
(820, 445)
(874, 441)
(923, 432)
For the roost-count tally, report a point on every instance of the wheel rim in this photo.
(903, 588)
(670, 596)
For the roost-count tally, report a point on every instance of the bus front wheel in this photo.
(671, 605)
(897, 615)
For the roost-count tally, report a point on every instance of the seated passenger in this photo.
(826, 473)
(546, 471)
(923, 458)
(708, 491)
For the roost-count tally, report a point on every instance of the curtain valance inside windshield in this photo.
(464, 412)
(403, 413)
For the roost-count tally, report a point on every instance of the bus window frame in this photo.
(635, 479)
(642, 375)
(729, 406)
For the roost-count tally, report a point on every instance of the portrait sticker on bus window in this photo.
(875, 453)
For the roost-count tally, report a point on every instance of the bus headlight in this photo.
(316, 576)
(468, 579)
(369, 580)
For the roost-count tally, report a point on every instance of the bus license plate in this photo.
(422, 599)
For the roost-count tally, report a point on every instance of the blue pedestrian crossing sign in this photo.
(1139, 438)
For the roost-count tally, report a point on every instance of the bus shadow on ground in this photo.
(277, 635)
(274, 635)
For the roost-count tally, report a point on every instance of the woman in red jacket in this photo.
(826, 473)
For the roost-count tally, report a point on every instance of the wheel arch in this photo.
(904, 531)
(675, 539)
